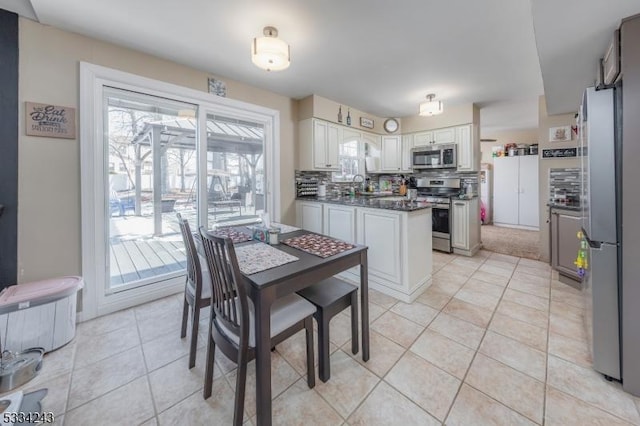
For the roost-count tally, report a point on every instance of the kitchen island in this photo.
(397, 232)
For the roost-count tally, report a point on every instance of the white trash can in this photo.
(39, 314)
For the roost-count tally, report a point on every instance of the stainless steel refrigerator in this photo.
(600, 226)
(610, 131)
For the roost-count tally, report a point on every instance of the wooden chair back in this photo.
(229, 297)
(194, 269)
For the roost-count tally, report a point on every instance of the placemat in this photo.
(236, 236)
(259, 257)
(318, 245)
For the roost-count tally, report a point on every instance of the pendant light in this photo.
(269, 52)
(431, 107)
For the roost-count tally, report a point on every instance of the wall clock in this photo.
(391, 125)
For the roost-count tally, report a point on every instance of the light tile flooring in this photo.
(494, 340)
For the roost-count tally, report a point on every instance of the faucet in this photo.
(362, 188)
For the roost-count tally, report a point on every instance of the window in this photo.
(350, 160)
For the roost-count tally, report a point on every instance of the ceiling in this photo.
(571, 36)
(373, 55)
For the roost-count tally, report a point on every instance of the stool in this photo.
(331, 296)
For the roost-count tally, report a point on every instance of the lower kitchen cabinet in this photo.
(565, 225)
(380, 231)
(465, 226)
(309, 216)
(340, 222)
(399, 254)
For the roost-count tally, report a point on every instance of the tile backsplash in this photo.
(564, 184)
(307, 181)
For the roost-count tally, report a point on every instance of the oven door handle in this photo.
(441, 206)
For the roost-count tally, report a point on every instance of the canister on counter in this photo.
(274, 235)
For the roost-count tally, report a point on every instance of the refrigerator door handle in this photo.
(597, 245)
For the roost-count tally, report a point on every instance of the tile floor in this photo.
(494, 340)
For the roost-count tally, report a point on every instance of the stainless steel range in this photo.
(439, 192)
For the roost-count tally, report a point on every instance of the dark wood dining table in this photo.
(267, 286)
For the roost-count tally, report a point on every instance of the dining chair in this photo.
(197, 291)
(330, 297)
(231, 325)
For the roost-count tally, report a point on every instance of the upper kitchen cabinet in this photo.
(468, 149)
(407, 145)
(319, 141)
(391, 153)
(437, 136)
(396, 153)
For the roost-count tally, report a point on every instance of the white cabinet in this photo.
(399, 243)
(309, 216)
(380, 231)
(529, 196)
(407, 145)
(391, 153)
(460, 224)
(465, 226)
(447, 135)
(465, 148)
(422, 139)
(340, 222)
(515, 191)
(318, 141)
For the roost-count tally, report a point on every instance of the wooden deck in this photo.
(138, 259)
(136, 255)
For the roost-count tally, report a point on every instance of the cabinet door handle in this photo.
(459, 204)
(328, 165)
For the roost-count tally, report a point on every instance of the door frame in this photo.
(95, 301)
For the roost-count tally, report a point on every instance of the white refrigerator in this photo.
(486, 193)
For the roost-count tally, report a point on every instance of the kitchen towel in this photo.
(253, 258)
(318, 245)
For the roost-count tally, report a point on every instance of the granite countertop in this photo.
(573, 208)
(373, 203)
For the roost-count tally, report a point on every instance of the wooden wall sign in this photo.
(52, 121)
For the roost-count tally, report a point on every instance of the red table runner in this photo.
(318, 245)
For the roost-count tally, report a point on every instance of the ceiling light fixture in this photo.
(431, 107)
(270, 52)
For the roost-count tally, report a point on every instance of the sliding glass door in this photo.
(150, 150)
(151, 173)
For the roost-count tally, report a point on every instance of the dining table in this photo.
(265, 287)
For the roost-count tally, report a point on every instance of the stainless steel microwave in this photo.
(440, 156)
